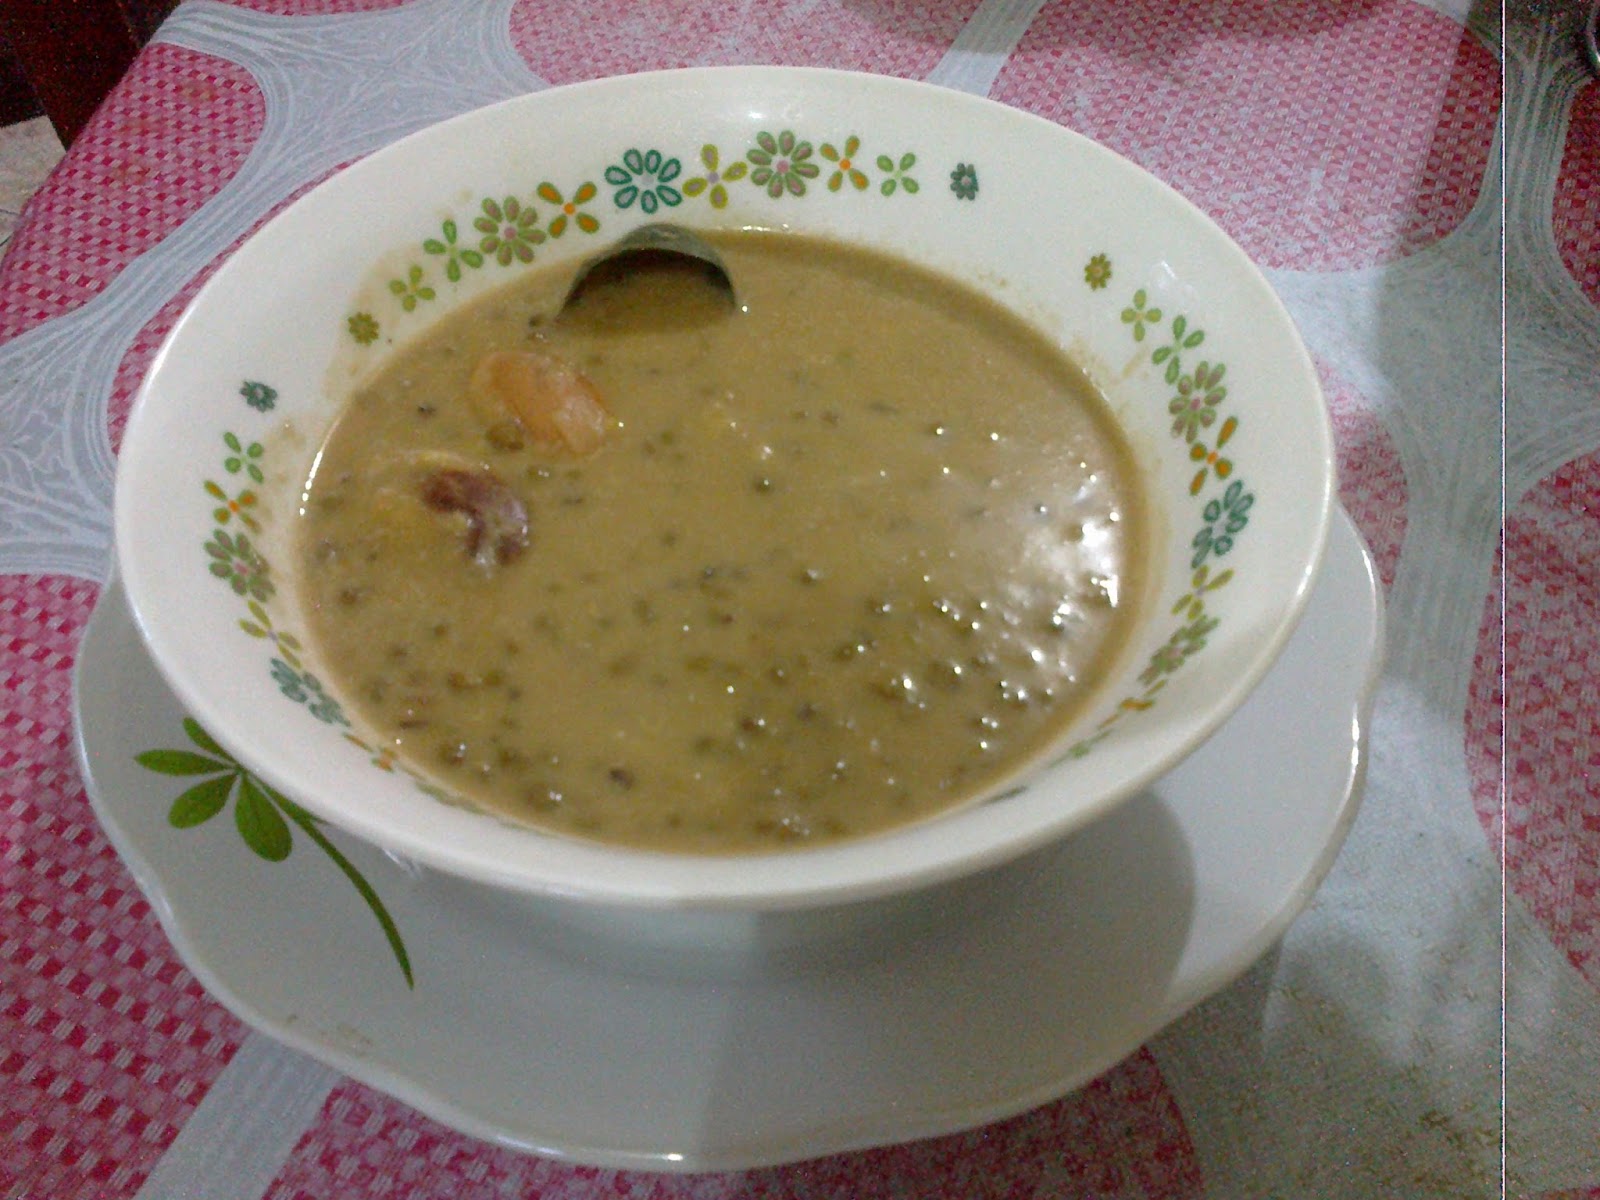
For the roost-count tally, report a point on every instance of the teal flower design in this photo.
(1195, 405)
(326, 709)
(236, 561)
(781, 164)
(1138, 316)
(305, 688)
(454, 254)
(261, 814)
(964, 181)
(510, 230)
(646, 178)
(1224, 517)
(897, 178)
(259, 396)
(288, 680)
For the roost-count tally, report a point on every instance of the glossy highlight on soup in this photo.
(674, 574)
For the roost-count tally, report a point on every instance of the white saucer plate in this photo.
(547, 1028)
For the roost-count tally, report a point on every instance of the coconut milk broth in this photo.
(845, 557)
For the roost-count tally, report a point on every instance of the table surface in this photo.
(1430, 1026)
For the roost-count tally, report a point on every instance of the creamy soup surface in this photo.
(807, 569)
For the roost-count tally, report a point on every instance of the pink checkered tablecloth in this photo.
(1429, 1027)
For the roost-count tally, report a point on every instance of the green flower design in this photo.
(362, 327)
(287, 644)
(1211, 458)
(1138, 316)
(244, 458)
(1187, 641)
(454, 254)
(569, 214)
(1192, 603)
(235, 560)
(1081, 748)
(1183, 338)
(646, 178)
(261, 815)
(781, 164)
(259, 396)
(411, 290)
(241, 459)
(1192, 636)
(1223, 518)
(964, 181)
(1167, 658)
(229, 507)
(305, 688)
(845, 169)
(712, 183)
(510, 230)
(897, 178)
(1195, 405)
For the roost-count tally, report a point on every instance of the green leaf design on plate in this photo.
(260, 824)
(201, 802)
(181, 762)
(262, 816)
(204, 740)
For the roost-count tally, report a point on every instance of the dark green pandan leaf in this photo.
(180, 762)
(200, 803)
(260, 823)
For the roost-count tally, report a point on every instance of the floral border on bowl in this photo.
(507, 231)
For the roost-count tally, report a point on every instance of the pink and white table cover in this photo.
(1421, 181)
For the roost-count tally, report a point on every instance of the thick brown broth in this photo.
(841, 560)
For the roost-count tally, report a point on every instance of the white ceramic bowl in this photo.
(1196, 355)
